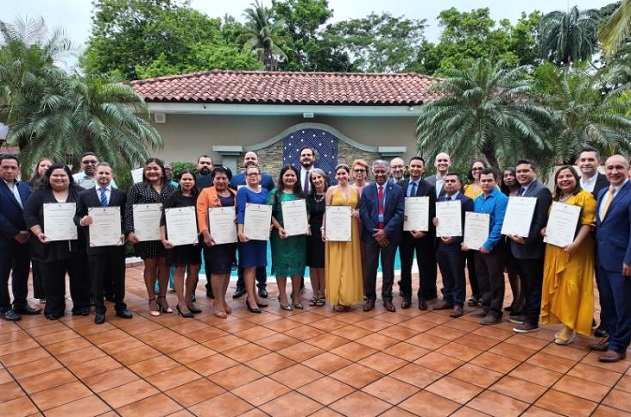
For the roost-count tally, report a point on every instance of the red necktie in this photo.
(380, 205)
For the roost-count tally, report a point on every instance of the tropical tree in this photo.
(262, 35)
(567, 37)
(486, 110)
(615, 31)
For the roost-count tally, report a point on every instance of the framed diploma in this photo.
(476, 229)
(338, 223)
(449, 215)
(416, 214)
(518, 216)
(59, 221)
(147, 221)
(105, 229)
(181, 223)
(562, 223)
(221, 224)
(295, 217)
(256, 224)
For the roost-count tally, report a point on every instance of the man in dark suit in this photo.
(381, 212)
(613, 259)
(14, 238)
(105, 262)
(451, 259)
(417, 241)
(442, 163)
(529, 251)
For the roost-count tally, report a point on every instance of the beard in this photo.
(204, 171)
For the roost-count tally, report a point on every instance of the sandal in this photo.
(163, 306)
(320, 301)
(313, 302)
(298, 306)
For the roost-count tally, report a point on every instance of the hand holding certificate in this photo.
(295, 217)
(147, 221)
(562, 223)
(416, 214)
(221, 225)
(476, 229)
(105, 229)
(181, 224)
(58, 221)
(256, 224)
(518, 216)
(449, 215)
(338, 223)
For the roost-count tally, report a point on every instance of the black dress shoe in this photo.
(81, 312)
(611, 356)
(422, 304)
(11, 315)
(389, 306)
(601, 346)
(27, 310)
(601, 331)
(406, 303)
(370, 304)
(255, 310)
(53, 316)
(239, 293)
(263, 293)
(125, 314)
(99, 318)
(209, 294)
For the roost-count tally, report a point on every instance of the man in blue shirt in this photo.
(489, 260)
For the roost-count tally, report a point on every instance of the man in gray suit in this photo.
(442, 162)
(529, 251)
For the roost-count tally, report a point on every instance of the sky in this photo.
(74, 16)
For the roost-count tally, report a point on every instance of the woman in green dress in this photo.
(289, 253)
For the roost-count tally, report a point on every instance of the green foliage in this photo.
(179, 166)
(262, 36)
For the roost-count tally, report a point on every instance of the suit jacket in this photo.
(432, 180)
(11, 214)
(601, 182)
(613, 233)
(392, 216)
(266, 181)
(466, 205)
(90, 198)
(424, 189)
(534, 247)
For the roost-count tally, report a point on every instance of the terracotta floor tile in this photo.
(383, 362)
(300, 352)
(153, 366)
(236, 376)
(418, 324)
(131, 356)
(439, 362)
(428, 342)
(491, 332)
(592, 359)
(454, 389)
(464, 323)
(19, 358)
(581, 388)
(296, 376)
(468, 412)
(360, 404)
(46, 327)
(624, 384)
(277, 342)
(85, 355)
(567, 352)
(106, 336)
(255, 333)
(121, 345)
(398, 332)
(85, 407)
(291, 404)
(497, 405)
(539, 412)
(406, 351)
(476, 375)
(565, 404)
(356, 375)
(353, 351)
(110, 379)
(18, 407)
(378, 341)
(246, 352)
(592, 373)
(518, 389)
(351, 332)
(327, 341)
(326, 390)
(328, 324)
(459, 351)
(66, 346)
(373, 325)
(223, 343)
(128, 393)
(618, 399)
(270, 363)
(482, 343)
(94, 367)
(60, 395)
(427, 404)
(416, 375)
(206, 333)
(448, 333)
(554, 363)
(535, 374)
(173, 377)
(225, 405)
(391, 390)
(398, 412)
(282, 325)
(495, 362)
(605, 411)
(525, 341)
(172, 344)
(195, 392)
(212, 364)
(10, 391)
(304, 332)
(157, 405)
(326, 363)
(260, 391)
(47, 380)
(326, 412)
(512, 351)
(37, 367)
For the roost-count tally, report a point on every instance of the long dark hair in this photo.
(281, 186)
(190, 172)
(46, 178)
(557, 191)
(503, 187)
(327, 183)
(470, 173)
(158, 162)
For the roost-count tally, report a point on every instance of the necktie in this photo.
(380, 197)
(522, 191)
(306, 186)
(603, 211)
(412, 189)
(103, 197)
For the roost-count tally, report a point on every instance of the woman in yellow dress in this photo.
(342, 262)
(567, 295)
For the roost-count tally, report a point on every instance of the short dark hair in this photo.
(417, 158)
(6, 156)
(194, 191)
(222, 169)
(530, 162)
(588, 149)
(204, 156)
(454, 174)
(156, 161)
(489, 170)
(89, 154)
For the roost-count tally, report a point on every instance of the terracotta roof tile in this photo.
(264, 87)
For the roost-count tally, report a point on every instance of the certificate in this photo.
(105, 229)
(562, 223)
(518, 216)
(256, 224)
(295, 217)
(59, 221)
(338, 223)
(147, 221)
(136, 175)
(221, 225)
(449, 215)
(476, 229)
(181, 223)
(416, 214)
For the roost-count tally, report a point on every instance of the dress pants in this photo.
(261, 277)
(54, 275)
(451, 261)
(531, 276)
(615, 299)
(14, 260)
(107, 268)
(489, 268)
(473, 277)
(426, 261)
(372, 252)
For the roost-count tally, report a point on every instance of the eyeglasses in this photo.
(90, 161)
(477, 169)
(359, 170)
(252, 174)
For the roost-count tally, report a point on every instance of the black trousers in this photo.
(107, 270)
(426, 261)
(372, 253)
(490, 271)
(14, 261)
(54, 276)
(261, 278)
(38, 283)
(473, 276)
(451, 261)
(531, 276)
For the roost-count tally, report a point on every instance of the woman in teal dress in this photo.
(289, 253)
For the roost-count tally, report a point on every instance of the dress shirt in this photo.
(495, 205)
(589, 184)
(108, 192)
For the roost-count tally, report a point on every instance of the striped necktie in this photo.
(103, 196)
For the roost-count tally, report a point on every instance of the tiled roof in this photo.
(266, 87)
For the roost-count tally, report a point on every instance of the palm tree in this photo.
(613, 33)
(568, 37)
(484, 110)
(262, 36)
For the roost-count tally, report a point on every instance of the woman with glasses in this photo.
(360, 175)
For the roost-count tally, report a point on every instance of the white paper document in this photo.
(256, 224)
(181, 223)
(59, 221)
(562, 223)
(295, 217)
(449, 215)
(519, 212)
(338, 223)
(416, 214)
(105, 229)
(476, 229)
(221, 225)
(147, 221)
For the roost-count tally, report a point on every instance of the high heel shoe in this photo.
(252, 310)
(163, 306)
(187, 315)
(153, 312)
(261, 304)
(193, 309)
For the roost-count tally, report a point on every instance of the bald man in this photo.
(397, 169)
(442, 163)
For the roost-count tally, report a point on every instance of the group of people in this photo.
(550, 284)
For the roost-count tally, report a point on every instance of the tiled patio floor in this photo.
(316, 362)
